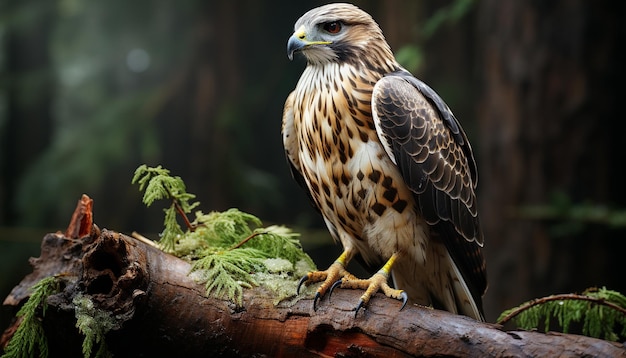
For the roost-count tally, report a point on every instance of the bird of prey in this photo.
(386, 163)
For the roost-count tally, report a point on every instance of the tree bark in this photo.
(164, 312)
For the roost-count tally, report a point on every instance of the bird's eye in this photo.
(332, 27)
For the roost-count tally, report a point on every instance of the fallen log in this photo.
(163, 312)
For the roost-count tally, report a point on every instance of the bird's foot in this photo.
(334, 273)
(376, 283)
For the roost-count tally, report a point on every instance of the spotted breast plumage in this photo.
(386, 163)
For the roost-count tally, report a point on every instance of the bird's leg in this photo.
(334, 273)
(378, 282)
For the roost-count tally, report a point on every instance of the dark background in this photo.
(89, 90)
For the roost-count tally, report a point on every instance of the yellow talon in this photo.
(337, 275)
(335, 272)
(378, 282)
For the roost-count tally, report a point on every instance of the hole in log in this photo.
(101, 284)
(103, 260)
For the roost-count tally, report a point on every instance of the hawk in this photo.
(386, 163)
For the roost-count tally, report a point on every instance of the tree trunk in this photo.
(25, 111)
(552, 78)
(164, 312)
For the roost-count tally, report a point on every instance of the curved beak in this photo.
(294, 44)
(298, 41)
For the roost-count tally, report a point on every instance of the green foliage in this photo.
(410, 57)
(93, 323)
(450, 13)
(157, 184)
(172, 231)
(571, 218)
(228, 250)
(226, 269)
(280, 242)
(29, 337)
(222, 229)
(226, 273)
(600, 311)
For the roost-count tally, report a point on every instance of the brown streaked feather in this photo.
(290, 144)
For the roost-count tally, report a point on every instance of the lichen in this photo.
(278, 265)
(94, 324)
(281, 278)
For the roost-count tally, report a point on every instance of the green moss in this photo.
(281, 278)
(278, 266)
(94, 324)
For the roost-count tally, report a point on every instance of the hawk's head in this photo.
(336, 32)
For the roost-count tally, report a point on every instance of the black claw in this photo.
(358, 307)
(330, 292)
(315, 300)
(405, 298)
(304, 279)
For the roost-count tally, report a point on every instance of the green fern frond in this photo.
(171, 231)
(158, 184)
(607, 295)
(157, 189)
(280, 241)
(29, 337)
(600, 311)
(225, 273)
(143, 174)
(225, 228)
(214, 232)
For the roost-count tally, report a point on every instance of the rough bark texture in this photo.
(165, 313)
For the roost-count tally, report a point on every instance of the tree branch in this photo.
(559, 297)
(163, 312)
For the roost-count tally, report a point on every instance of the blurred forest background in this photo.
(89, 90)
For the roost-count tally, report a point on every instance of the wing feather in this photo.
(422, 136)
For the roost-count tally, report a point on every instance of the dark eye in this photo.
(332, 27)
